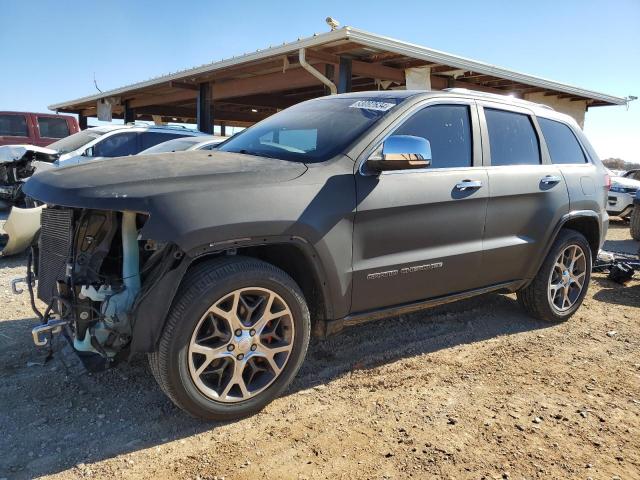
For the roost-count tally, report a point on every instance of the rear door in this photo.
(527, 194)
(14, 129)
(418, 233)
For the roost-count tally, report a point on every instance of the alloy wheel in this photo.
(567, 278)
(241, 344)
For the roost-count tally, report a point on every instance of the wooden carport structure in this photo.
(243, 90)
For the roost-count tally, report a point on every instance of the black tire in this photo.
(205, 284)
(534, 298)
(635, 223)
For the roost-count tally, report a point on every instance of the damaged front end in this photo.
(92, 269)
(17, 164)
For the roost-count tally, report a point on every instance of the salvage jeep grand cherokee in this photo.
(219, 264)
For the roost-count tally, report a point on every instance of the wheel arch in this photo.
(294, 255)
(586, 222)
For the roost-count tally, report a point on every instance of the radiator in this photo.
(55, 247)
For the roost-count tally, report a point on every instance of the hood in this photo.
(15, 153)
(138, 182)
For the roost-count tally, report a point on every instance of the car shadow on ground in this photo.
(54, 415)
(617, 294)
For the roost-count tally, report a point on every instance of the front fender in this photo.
(152, 308)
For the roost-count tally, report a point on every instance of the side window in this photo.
(118, 145)
(561, 142)
(448, 130)
(512, 138)
(13, 126)
(51, 127)
(150, 139)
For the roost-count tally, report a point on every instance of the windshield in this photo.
(75, 141)
(312, 131)
(175, 145)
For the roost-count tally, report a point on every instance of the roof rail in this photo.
(479, 93)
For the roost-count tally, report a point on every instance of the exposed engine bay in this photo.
(17, 164)
(91, 269)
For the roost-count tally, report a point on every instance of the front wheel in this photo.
(560, 285)
(234, 339)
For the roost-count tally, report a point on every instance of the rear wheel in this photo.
(234, 339)
(635, 223)
(560, 285)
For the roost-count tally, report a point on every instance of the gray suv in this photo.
(219, 265)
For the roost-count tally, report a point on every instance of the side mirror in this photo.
(401, 152)
(88, 152)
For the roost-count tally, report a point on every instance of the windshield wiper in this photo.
(255, 154)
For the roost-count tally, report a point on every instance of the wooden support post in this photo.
(82, 121)
(344, 80)
(223, 130)
(204, 117)
(129, 113)
(329, 72)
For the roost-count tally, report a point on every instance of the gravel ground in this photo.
(471, 390)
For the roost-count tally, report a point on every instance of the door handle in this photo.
(468, 185)
(551, 179)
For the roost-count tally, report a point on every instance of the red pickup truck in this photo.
(41, 129)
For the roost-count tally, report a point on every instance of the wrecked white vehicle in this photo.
(17, 164)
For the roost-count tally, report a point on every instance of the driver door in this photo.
(418, 233)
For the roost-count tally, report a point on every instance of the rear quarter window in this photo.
(561, 142)
(52, 127)
(151, 139)
(13, 126)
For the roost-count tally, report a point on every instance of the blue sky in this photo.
(50, 50)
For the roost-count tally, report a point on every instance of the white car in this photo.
(205, 142)
(115, 141)
(621, 194)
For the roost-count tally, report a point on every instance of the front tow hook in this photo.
(16, 281)
(42, 334)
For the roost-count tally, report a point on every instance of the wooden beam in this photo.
(271, 101)
(272, 82)
(156, 99)
(184, 85)
(445, 69)
(362, 69)
(347, 47)
(220, 115)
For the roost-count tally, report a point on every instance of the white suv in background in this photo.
(622, 192)
(114, 141)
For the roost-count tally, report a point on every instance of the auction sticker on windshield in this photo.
(373, 105)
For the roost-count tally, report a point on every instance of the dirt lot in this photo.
(473, 390)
